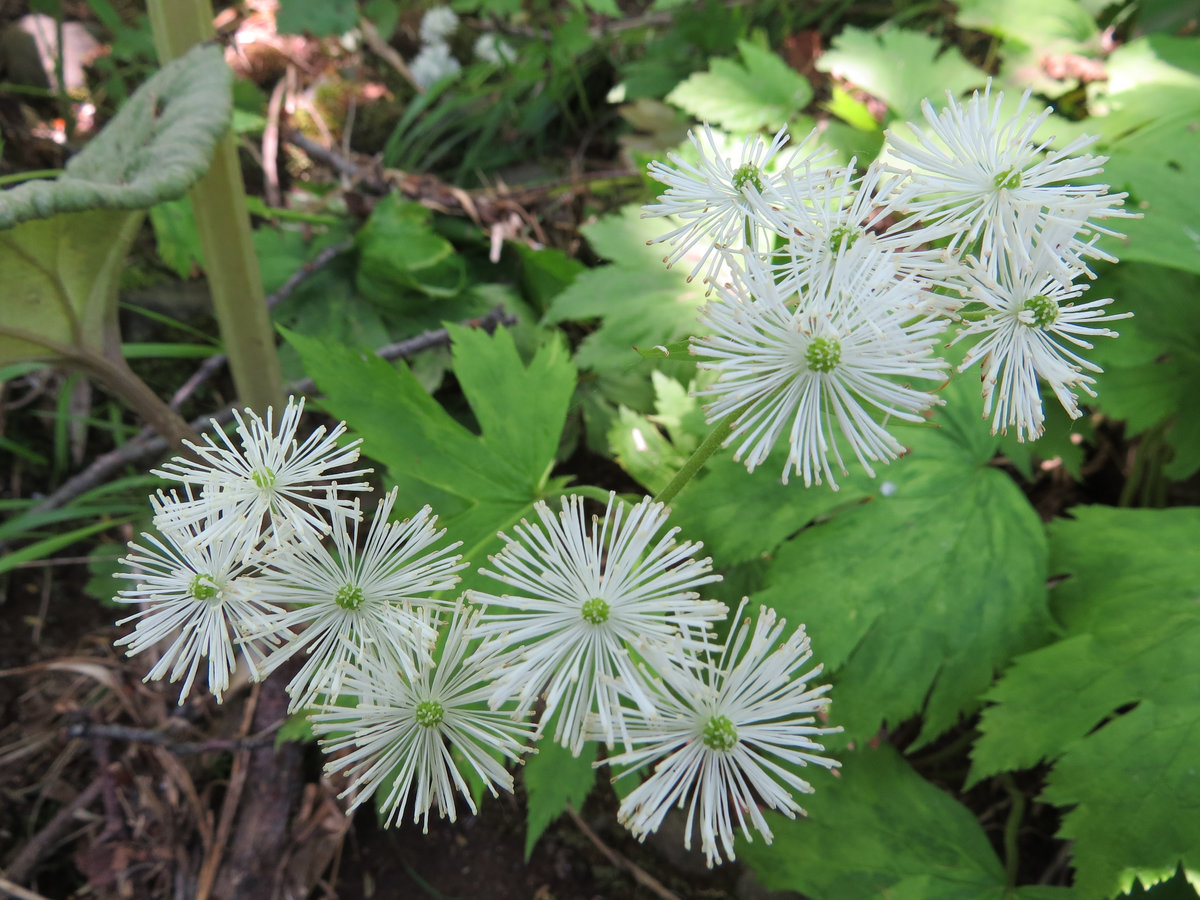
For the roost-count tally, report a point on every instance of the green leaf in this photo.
(639, 302)
(553, 780)
(156, 147)
(1152, 372)
(61, 277)
(399, 251)
(175, 236)
(642, 449)
(497, 474)
(916, 599)
(881, 831)
(1132, 629)
(900, 67)
(761, 92)
(1031, 23)
(320, 18)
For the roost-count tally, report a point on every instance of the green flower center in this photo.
(720, 734)
(204, 587)
(842, 237)
(430, 713)
(349, 596)
(264, 478)
(747, 174)
(595, 611)
(1008, 180)
(1042, 312)
(823, 354)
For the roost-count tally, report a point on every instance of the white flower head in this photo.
(823, 215)
(432, 63)
(437, 24)
(491, 48)
(405, 737)
(714, 199)
(200, 595)
(977, 175)
(822, 369)
(581, 596)
(726, 735)
(353, 598)
(271, 479)
(1031, 330)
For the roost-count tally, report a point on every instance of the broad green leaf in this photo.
(1030, 23)
(63, 242)
(156, 147)
(900, 67)
(760, 92)
(520, 409)
(638, 301)
(1152, 371)
(175, 236)
(496, 475)
(400, 252)
(917, 599)
(878, 831)
(544, 273)
(1134, 786)
(642, 449)
(1132, 777)
(743, 516)
(1145, 118)
(553, 780)
(1178, 888)
(320, 18)
(61, 276)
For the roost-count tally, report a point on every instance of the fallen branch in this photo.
(104, 732)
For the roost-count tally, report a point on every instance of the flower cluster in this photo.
(599, 633)
(842, 282)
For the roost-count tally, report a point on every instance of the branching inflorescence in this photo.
(842, 285)
(828, 331)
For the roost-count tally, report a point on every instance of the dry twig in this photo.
(640, 875)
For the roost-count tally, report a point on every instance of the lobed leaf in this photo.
(760, 92)
(1132, 639)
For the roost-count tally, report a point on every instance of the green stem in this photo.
(116, 375)
(1011, 828)
(696, 461)
(219, 201)
(29, 176)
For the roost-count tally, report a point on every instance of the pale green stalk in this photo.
(699, 457)
(219, 200)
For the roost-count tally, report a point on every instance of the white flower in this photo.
(581, 595)
(1029, 330)
(199, 594)
(438, 24)
(352, 598)
(432, 63)
(821, 373)
(271, 476)
(491, 48)
(405, 736)
(714, 200)
(726, 736)
(977, 175)
(821, 216)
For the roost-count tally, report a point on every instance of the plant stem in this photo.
(1011, 828)
(219, 200)
(696, 461)
(29, 176)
